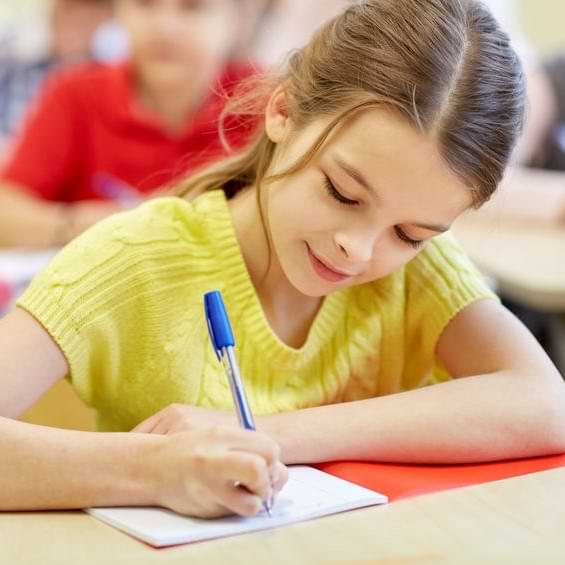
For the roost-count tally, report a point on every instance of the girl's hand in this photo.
(182, 417)
(210, 472)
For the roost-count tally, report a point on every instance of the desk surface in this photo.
(520, 520)
(527, 261)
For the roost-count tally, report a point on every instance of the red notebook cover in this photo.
(402, 481)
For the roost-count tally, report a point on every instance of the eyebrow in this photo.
(357, 176)
(354, 174)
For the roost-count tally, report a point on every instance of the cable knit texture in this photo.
(124, 303)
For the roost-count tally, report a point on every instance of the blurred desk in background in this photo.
(526, 260)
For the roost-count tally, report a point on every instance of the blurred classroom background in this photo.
(524, 253)
(541, 20)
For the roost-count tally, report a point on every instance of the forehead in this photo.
(392, 155)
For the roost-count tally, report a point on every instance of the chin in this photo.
(304, 280)
(310, 286)
(316, 292)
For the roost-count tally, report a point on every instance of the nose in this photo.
(356, 245)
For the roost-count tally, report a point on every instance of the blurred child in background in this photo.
(100, 137)
(61, 33)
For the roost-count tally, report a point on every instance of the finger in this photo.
(250, 471)
(201, 505)
(209, 506)
(237, 500)
(146, 426)
(279, 477)
(163, 427)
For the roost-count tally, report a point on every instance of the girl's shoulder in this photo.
(165, 219)
(149, 243)
(442, 258)
(89, 74)
(440, 270)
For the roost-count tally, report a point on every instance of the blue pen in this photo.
(223, 341)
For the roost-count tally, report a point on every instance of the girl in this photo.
(102, 136)
(326, 236)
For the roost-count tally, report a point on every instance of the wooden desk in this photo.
(527, 261)
(520, 520)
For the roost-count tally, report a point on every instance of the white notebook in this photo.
(309, 493)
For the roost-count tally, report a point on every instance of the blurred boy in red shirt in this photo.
(100, 137)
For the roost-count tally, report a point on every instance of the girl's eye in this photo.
(415, 243)
(336, 195)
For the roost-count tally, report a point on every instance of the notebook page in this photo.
(309, 493)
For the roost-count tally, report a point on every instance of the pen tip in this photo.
(268, 508)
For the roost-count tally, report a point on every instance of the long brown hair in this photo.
(445, 65)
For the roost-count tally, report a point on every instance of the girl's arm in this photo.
(30, 363)
(45, 468)
(510, 404)
(193, 472)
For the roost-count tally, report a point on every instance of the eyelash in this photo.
(336, 195)
(415, 243)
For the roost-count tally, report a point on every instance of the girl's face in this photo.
(365, 206)
(177, 40)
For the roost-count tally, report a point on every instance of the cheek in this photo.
(285, 220)
(296, 207)
(389, 258)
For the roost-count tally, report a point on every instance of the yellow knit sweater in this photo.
(124, 303)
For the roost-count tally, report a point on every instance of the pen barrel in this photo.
(244, 414)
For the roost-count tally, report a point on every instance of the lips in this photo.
(326, 271)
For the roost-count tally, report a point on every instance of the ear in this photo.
(277, 121)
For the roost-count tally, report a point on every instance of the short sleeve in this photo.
(440, 282)
(46, 152)
(95, 296)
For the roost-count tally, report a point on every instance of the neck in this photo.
(276, 293)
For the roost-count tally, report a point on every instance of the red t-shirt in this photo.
(86, 139)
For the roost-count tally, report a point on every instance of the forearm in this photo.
(482, 418)
(44, 468)
(26, 221)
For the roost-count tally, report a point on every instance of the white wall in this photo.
(17, 11)
(544, 23)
